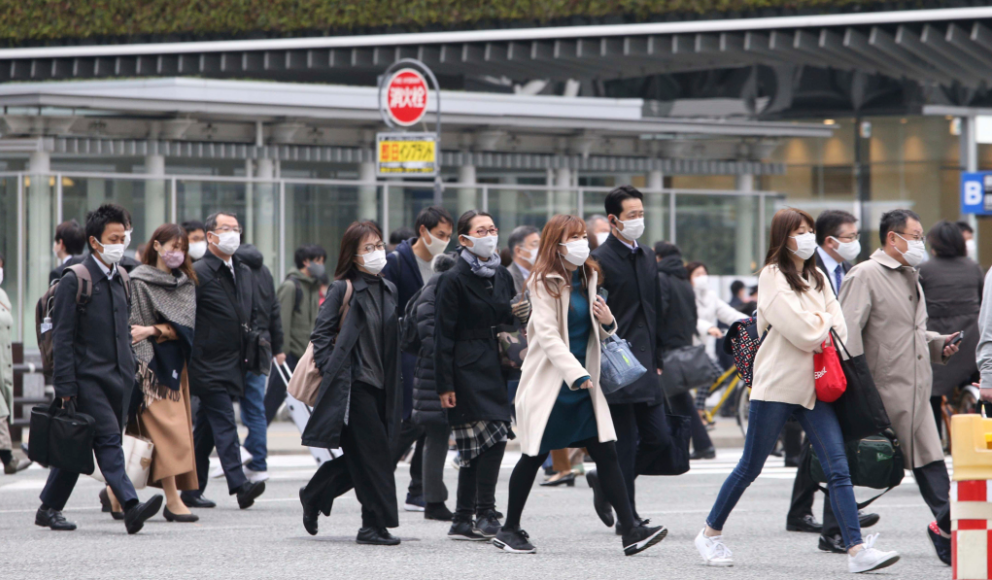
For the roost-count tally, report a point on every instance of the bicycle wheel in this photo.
(743, 407)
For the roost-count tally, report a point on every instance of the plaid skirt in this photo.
(473, 439)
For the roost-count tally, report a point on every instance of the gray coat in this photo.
(6, 359)
(953, 287)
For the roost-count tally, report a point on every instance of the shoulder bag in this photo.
(687, 368)
(859, 410)
(619, 367)
(304, 385)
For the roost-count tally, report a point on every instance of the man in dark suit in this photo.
(837, 241)
(94, 369)
(630, 272)
(70, 240)
(217, 369)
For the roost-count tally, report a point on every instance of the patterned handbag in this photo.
(742, 342)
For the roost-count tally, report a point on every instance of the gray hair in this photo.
(519, 234)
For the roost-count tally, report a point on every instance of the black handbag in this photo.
(60, 437)
(859, 410)
(687, 368)
(258, 357)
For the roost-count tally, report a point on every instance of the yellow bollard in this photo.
(971, 498)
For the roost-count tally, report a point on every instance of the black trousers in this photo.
(275, 392)
(366, 465)
(684, 405)
(477, 484)
(411, 434)
(215, 427)
(638, 422)
(803, 490)
(935, 487)
(110, 459)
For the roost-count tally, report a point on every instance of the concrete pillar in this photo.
(655, 205)
(564, 198)
(264, 224)
(40, 206)
(368, 197)
(745, 258)
(468, 197)
(156, 199)
(249, 217)
(506, 211)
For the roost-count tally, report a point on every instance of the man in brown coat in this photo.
(886, 317)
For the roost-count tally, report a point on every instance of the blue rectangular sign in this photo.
(976, 192)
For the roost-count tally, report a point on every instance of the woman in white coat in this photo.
(559, 402)
(710, 310)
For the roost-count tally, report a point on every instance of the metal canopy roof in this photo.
(931, 47)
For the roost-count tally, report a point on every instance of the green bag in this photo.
(875, 461)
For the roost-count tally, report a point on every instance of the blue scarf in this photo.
(480, 267)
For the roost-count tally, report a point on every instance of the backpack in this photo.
(46, 305)
(409, 336)
(742, 342)
(298, 297)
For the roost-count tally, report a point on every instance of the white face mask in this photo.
(578, 252)
(972, 248)
(916, 252)
(112, 253)
(127, 238)
(484, 246)
(197, 250)
(601, 238)
(805, 245)
(1, 275)
(530, 255)
(632, 229)
(228, 242)
(375, 261)
(848, 250)
(435, 245)
(701, 283)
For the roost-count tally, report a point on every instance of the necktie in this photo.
(839, 275)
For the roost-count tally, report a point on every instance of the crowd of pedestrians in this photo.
(439, 337)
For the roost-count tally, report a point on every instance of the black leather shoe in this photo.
(196, 501)
(807, 524)
(377, 537)
(310, 515)
(438, 511)
(134, 518)
(603, 508)
(181, 518)
(568, 480)
(105, 505)
(248, 492)
(53, 519)
(704, 454)
(867, 520)
(833, 544)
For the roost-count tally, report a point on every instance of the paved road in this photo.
(268, 541)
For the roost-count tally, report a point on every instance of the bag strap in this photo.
(862, 504)
(837, 341)
(345, 304)
(84, 289)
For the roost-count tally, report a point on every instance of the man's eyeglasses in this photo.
(482, 232)
(369, 248)
(225, 229)
(847, 238)
(913, 237)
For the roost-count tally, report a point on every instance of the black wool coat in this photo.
(466, 352)
(677, 305)
(333, 354)
(630, 279)
(426, 403)
(223, 316)
(94, 360)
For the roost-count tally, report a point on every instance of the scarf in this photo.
(480, 267)
(159, 297)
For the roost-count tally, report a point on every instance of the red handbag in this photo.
(830, 380)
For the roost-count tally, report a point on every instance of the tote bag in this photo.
(137, 460)
(830, 380)
(859, 410)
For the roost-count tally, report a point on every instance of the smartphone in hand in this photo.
(957, 340)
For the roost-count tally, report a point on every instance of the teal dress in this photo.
(573, 419)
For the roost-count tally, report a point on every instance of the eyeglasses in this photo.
(913, 237)
(847, 238)
(225, 229)
(482, 232)
(369, 248)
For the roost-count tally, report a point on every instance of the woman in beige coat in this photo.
(559, 402)
(796, 312)
(11, 464)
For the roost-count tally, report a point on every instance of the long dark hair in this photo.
(164, 234)
(350, 242)
(549, 261)
(785, 222)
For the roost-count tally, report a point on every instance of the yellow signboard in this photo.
(406, 154)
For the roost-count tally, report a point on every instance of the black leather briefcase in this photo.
(61, 437)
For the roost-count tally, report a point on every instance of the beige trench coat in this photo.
(6, 359)
(886, 316)
(549, 363)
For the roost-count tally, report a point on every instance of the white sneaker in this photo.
(868, 558)
(256, 476)
(713, 550)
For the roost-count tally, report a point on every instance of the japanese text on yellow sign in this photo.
(406, 154)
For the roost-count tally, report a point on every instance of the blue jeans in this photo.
(253, 417)
(766, 420)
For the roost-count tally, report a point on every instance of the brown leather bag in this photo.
(304, 385)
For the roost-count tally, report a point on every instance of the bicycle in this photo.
(733, 384)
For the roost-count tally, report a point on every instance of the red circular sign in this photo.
(407, 97)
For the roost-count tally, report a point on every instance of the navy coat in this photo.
(404, 272)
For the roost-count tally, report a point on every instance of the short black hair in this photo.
(72, 235)
(965, 227)
(615, 199)
(400, 234)
(308, 252)
(829, 222)
(518, 235)
(465, 221)
(665, 249)
(893, 221)
(735, 287)
(211, 224)
(193, 225)
(97, 220)
(430, 217)
(947, 240)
